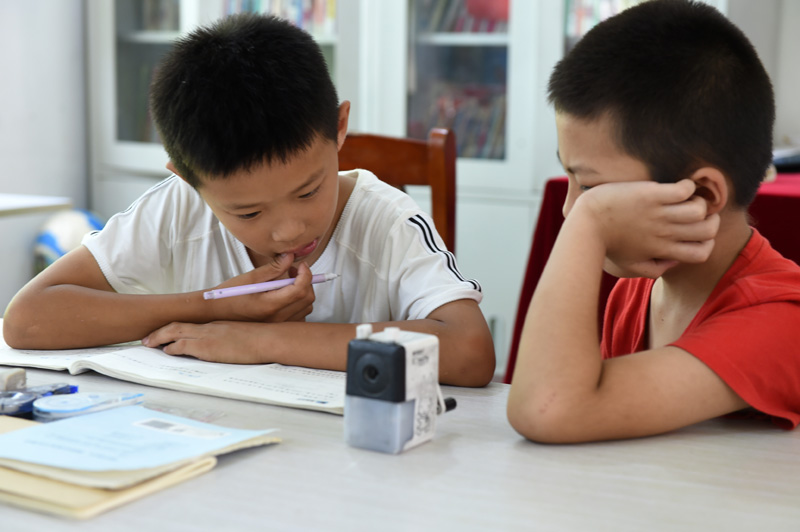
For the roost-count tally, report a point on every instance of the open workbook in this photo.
(292, 386)
(99, 461)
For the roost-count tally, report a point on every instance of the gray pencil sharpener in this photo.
(392, 397)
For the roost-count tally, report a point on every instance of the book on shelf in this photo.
(459, 16)
(475, 113)
(85, 465)
(317, 17)
(276, 384)
(160, 15)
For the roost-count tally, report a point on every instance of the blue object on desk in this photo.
(17, 403)
(20, 402)
(43, 390)
(55, 407)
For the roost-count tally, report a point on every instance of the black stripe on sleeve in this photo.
(426, 231)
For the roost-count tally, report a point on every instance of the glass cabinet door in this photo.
(458, 73)
(583, 15)
(143, 31)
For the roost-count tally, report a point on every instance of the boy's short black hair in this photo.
(246, 90)
(683, 87)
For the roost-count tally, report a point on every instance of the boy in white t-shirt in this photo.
(252, 124)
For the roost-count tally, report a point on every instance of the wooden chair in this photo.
(403, 161)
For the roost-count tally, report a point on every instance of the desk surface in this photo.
(477, 474)
(25, 203)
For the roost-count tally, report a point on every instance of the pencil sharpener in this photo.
(392, 390)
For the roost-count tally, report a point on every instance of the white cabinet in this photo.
(427, 67)
(404, 65)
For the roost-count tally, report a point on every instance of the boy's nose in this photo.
(288, 231)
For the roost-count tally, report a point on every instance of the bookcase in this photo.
(479, 67)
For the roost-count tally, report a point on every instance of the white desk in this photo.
(28, 203)
(477, 474)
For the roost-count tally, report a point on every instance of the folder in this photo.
(80, 499)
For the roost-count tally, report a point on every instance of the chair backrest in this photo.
(403, 161)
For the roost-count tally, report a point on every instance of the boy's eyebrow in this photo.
(313, 177)
(575, 169)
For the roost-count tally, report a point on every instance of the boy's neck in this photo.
(679, 294)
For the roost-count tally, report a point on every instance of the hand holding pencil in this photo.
(255, 288)
(267, 303)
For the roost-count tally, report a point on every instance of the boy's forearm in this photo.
(68, 316)
(559, 356)
(465, 359)
(466, 351)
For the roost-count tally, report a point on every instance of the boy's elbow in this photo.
(540, 419)
(471, 360)
(19, 325)
(12, 333)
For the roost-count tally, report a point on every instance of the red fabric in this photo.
(775, 212)
(746, 332)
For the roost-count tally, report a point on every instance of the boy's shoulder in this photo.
(167, 194)
(760, 274)
(170, 206)
(374, 199)
(378, 215)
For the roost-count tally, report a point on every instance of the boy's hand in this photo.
(229, 342)
(290, 303)
(649, 227)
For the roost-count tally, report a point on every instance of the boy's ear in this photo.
(713, 186)
(344, 117)
(171, 168)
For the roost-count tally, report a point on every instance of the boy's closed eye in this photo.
(248, 216)
(310, 194)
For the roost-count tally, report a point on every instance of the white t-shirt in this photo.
(393, 264)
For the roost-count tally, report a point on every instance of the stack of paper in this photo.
(82, 466)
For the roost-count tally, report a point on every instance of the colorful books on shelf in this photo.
(291, 386)
(317, 17)
(476, 114)
(462, 16)
(160, 15)
(85, 465)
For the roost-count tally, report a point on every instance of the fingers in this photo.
(165, 335)
(676, 192)
(303, 276)
(291, 303)
(275, 269)
(693, 252)
(692, 231)
(185, 339)
(301, 314)
(220, 341)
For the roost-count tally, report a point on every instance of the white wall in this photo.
(43, 137)
(772, 27)
(787, 83)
